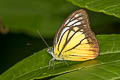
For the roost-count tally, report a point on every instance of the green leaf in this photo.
(110, 7)
(36, 66)
(28, 16)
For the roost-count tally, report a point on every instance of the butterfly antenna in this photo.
(42, 38)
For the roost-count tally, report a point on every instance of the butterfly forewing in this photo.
(74, 40)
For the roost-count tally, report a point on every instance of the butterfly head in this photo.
(50, 51)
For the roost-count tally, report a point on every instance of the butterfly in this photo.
(75, 41)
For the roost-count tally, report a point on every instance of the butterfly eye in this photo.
(50, 50)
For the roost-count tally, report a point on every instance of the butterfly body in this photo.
(74, 40)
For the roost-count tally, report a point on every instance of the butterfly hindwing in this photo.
(74, 40)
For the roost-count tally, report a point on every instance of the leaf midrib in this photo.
(73, 69)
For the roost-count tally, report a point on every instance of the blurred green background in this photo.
(23, 18)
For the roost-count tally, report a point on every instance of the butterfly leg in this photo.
(65, 62)
(51, 63)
